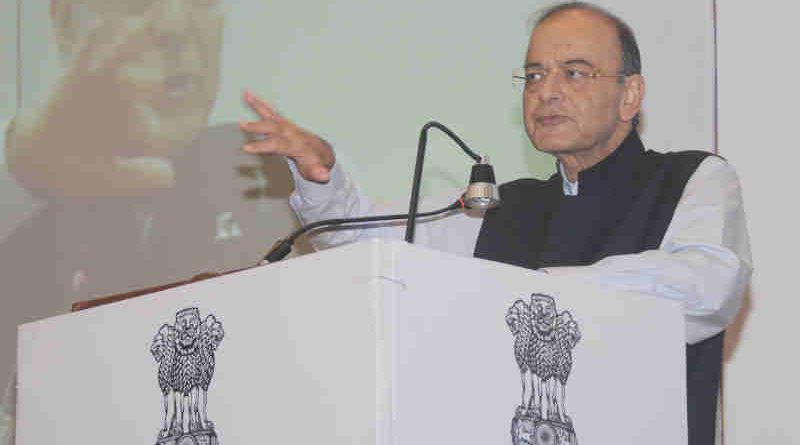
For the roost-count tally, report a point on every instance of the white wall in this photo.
(758, 94)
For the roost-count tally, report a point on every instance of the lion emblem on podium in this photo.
(185, 356)
(543, 344)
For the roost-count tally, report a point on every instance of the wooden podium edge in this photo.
(114, 298)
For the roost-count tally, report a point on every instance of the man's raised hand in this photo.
(273, 134)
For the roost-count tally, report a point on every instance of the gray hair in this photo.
(631, 58)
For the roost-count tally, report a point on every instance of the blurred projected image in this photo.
(141, 80)
(134, 188)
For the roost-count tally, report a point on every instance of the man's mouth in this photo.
(551, 120)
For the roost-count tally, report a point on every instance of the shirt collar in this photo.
(570, 188)
(615, 167)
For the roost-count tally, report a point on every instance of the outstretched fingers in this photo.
(268, 145)
(266, 134)
(275, 135)
(261, 129)
(263, 109)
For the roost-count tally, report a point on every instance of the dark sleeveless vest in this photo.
(624, 205)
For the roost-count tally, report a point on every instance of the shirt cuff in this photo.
(312, 193)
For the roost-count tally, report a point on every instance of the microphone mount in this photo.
(482, 192)
(284, 246)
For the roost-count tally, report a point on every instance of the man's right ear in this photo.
(632, 97)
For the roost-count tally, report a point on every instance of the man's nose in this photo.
(551, 88)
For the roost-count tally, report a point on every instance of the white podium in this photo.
(371, 343)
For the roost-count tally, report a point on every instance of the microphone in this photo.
(482, 192)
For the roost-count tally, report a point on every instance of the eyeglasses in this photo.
(576, 78)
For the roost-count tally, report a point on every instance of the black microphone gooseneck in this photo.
(415, 187)
(284, 246)
(481, 194)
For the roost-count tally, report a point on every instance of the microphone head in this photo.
(482, 191)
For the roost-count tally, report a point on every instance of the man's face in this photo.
(170, 75)
(562, 116)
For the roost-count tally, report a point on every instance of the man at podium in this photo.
(670, 225)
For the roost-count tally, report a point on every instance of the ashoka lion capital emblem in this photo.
(185, 356)
(543, 343)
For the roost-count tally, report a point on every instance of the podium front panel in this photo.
(372, 343)
(459, 369)
(293, 350)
